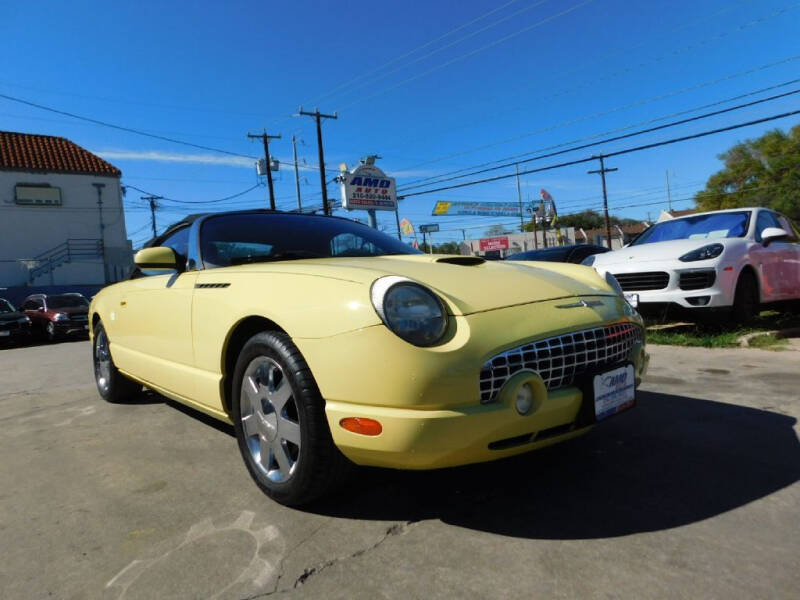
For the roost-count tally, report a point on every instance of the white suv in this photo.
(738, 259)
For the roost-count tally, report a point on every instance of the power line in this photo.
(623, 206)
(409, 53)
(121, 127)
(597, 135)
(613, 110)
(193, 202)
(612, 139)
(589, 82)
(384, 74)
(471, 53)
(610, 154)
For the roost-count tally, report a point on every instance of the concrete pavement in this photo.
(694, 494)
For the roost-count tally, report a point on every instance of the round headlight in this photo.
(411, 311)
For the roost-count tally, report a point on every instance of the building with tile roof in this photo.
(61, 215)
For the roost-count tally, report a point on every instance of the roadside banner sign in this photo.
(551, 205)
(493, 243)
(481, 209)
(432, 228)
(406, 227)
(368, 188)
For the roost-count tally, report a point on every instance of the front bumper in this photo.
(428, 399)
(71, 327)
(22, 332)
(719, 294)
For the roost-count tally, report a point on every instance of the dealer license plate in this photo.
(4, 333)
(614, 392)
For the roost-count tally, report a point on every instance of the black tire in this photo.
(271, 360)
(745, 300)
(112, 385)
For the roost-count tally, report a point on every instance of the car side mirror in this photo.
(772, 234)
(158, 258)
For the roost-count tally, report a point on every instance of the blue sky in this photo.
(432, 87)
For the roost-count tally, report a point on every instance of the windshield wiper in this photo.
(277, 256)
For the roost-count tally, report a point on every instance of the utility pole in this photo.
(296, 174)
(153, 207)
(266, 138)
(602, 170)
(519, 197)
(318, 116)
(397, 217)
(669, 195)
(99, 187)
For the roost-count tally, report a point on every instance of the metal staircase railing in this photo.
(72, 249)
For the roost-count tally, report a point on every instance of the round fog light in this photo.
(524, 400)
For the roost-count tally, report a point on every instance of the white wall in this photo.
(520, 242)
(27, 231)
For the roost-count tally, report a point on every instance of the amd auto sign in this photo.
(368, 188)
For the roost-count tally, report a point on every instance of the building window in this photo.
(37, 194)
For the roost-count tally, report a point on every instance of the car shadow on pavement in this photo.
(672, 461)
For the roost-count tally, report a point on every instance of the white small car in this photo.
(739, 259)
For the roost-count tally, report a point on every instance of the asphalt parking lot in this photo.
(694, 494)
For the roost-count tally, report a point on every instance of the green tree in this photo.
(760, 172)
(588, 219)
(497, 230)
(446, 248)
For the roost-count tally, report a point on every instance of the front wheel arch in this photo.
(235, 341)
(748, 268)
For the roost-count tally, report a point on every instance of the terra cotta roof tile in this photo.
(33, 152)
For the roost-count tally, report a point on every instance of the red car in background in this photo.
(58, 315)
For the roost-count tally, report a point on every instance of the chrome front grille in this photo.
(559, 360)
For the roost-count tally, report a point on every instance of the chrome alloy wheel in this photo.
(102, 361)
(270, 419)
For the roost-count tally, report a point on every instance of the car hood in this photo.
(657, 251)
(468, 284)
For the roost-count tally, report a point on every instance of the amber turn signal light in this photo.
(361, 425)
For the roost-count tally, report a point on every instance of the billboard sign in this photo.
(368, 188)
(493, 243)
(477, 209)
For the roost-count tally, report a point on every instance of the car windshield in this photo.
(711, 226)
(66, 302)
(5, 306)
(257, 237)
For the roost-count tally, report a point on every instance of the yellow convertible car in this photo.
(327, 343)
